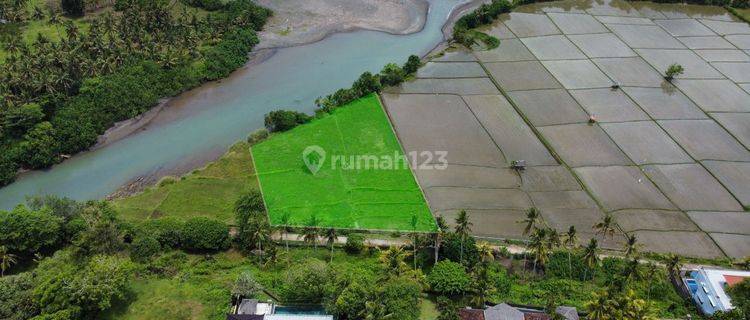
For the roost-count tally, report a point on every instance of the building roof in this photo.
(732, 280)
(570, 313)
(248, 306)
(503, 312)
(471, 314)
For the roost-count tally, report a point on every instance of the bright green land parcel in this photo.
(363, 198)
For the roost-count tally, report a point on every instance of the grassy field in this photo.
(208, 192)
(364, 198)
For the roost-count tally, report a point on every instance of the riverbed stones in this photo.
(705, 140)
(602, 45)
(645, 143)
(665, 103)
(691, 187)
(640, 36)
(621, 187)
(577, 74)
(552, 48)
(549, 107)
(573, 23)
(716, 95)
(524, 75)
(584, 145)
(451, 70)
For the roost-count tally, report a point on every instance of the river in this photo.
(209, 119)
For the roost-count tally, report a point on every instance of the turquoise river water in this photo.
(217, 115)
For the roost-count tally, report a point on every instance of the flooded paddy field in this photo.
(669, 160)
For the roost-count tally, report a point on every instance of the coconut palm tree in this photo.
(331, 238)
(606, 226)
(414, 238)
(631, 245)
(7, 260)
(632, 271)
(533, 217)
(310, 232)
(591, 256)
(393, 261)
(674, 264)
(486, 253)
(571, 243)
(599, 307)
(463, 228)
(284, 229)
(540, 247)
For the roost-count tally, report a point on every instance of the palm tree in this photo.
(631, 245)
(482, 285)
(651, 273)
(310, 233)
(590, 256)
(674, 264)
(261, 234)
(284, 229)
(540, 247)
(331, 238)
(7, 260)
(533, 217)
(463, 228)
(571, 243)
(38, 13)
(393, 261)
(414, 240)
(632, 270)
(599, 307)
(486, 253)
(606, 226)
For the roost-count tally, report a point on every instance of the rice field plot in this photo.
(340, 191)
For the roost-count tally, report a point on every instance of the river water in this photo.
(211, 118)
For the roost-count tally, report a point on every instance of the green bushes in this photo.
(144, 248)
(452, 247)
(204, 234)
(27, 232)
(165, 230)
(448, 278)
(283, 120)
(229, 54)
(208, 5)
(354, 243)
(306, 282)
(485, 14)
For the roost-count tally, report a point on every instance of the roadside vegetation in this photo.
(61, 92)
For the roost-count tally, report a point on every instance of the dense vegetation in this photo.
(58, 96)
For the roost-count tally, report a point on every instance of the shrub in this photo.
(39, 149)
(412, 64)
(673, 70)
(354, 243)
(246, 286)
(208, 5)
(15, 121)
(400, 298)
(165, 230)
(144, 248)
(17, 297)
(448, 278)
(8, 167)
(306, 282)
(392, 75)
(25, 231)
(202, 234)
(229, 54)
(258, 136)
(741, 4)
(168, 264)
(451, 250)
(283, 120)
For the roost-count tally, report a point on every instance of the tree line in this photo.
(57, 97)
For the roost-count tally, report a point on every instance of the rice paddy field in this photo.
(339, 196)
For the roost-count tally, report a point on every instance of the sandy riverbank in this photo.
(297, 22)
